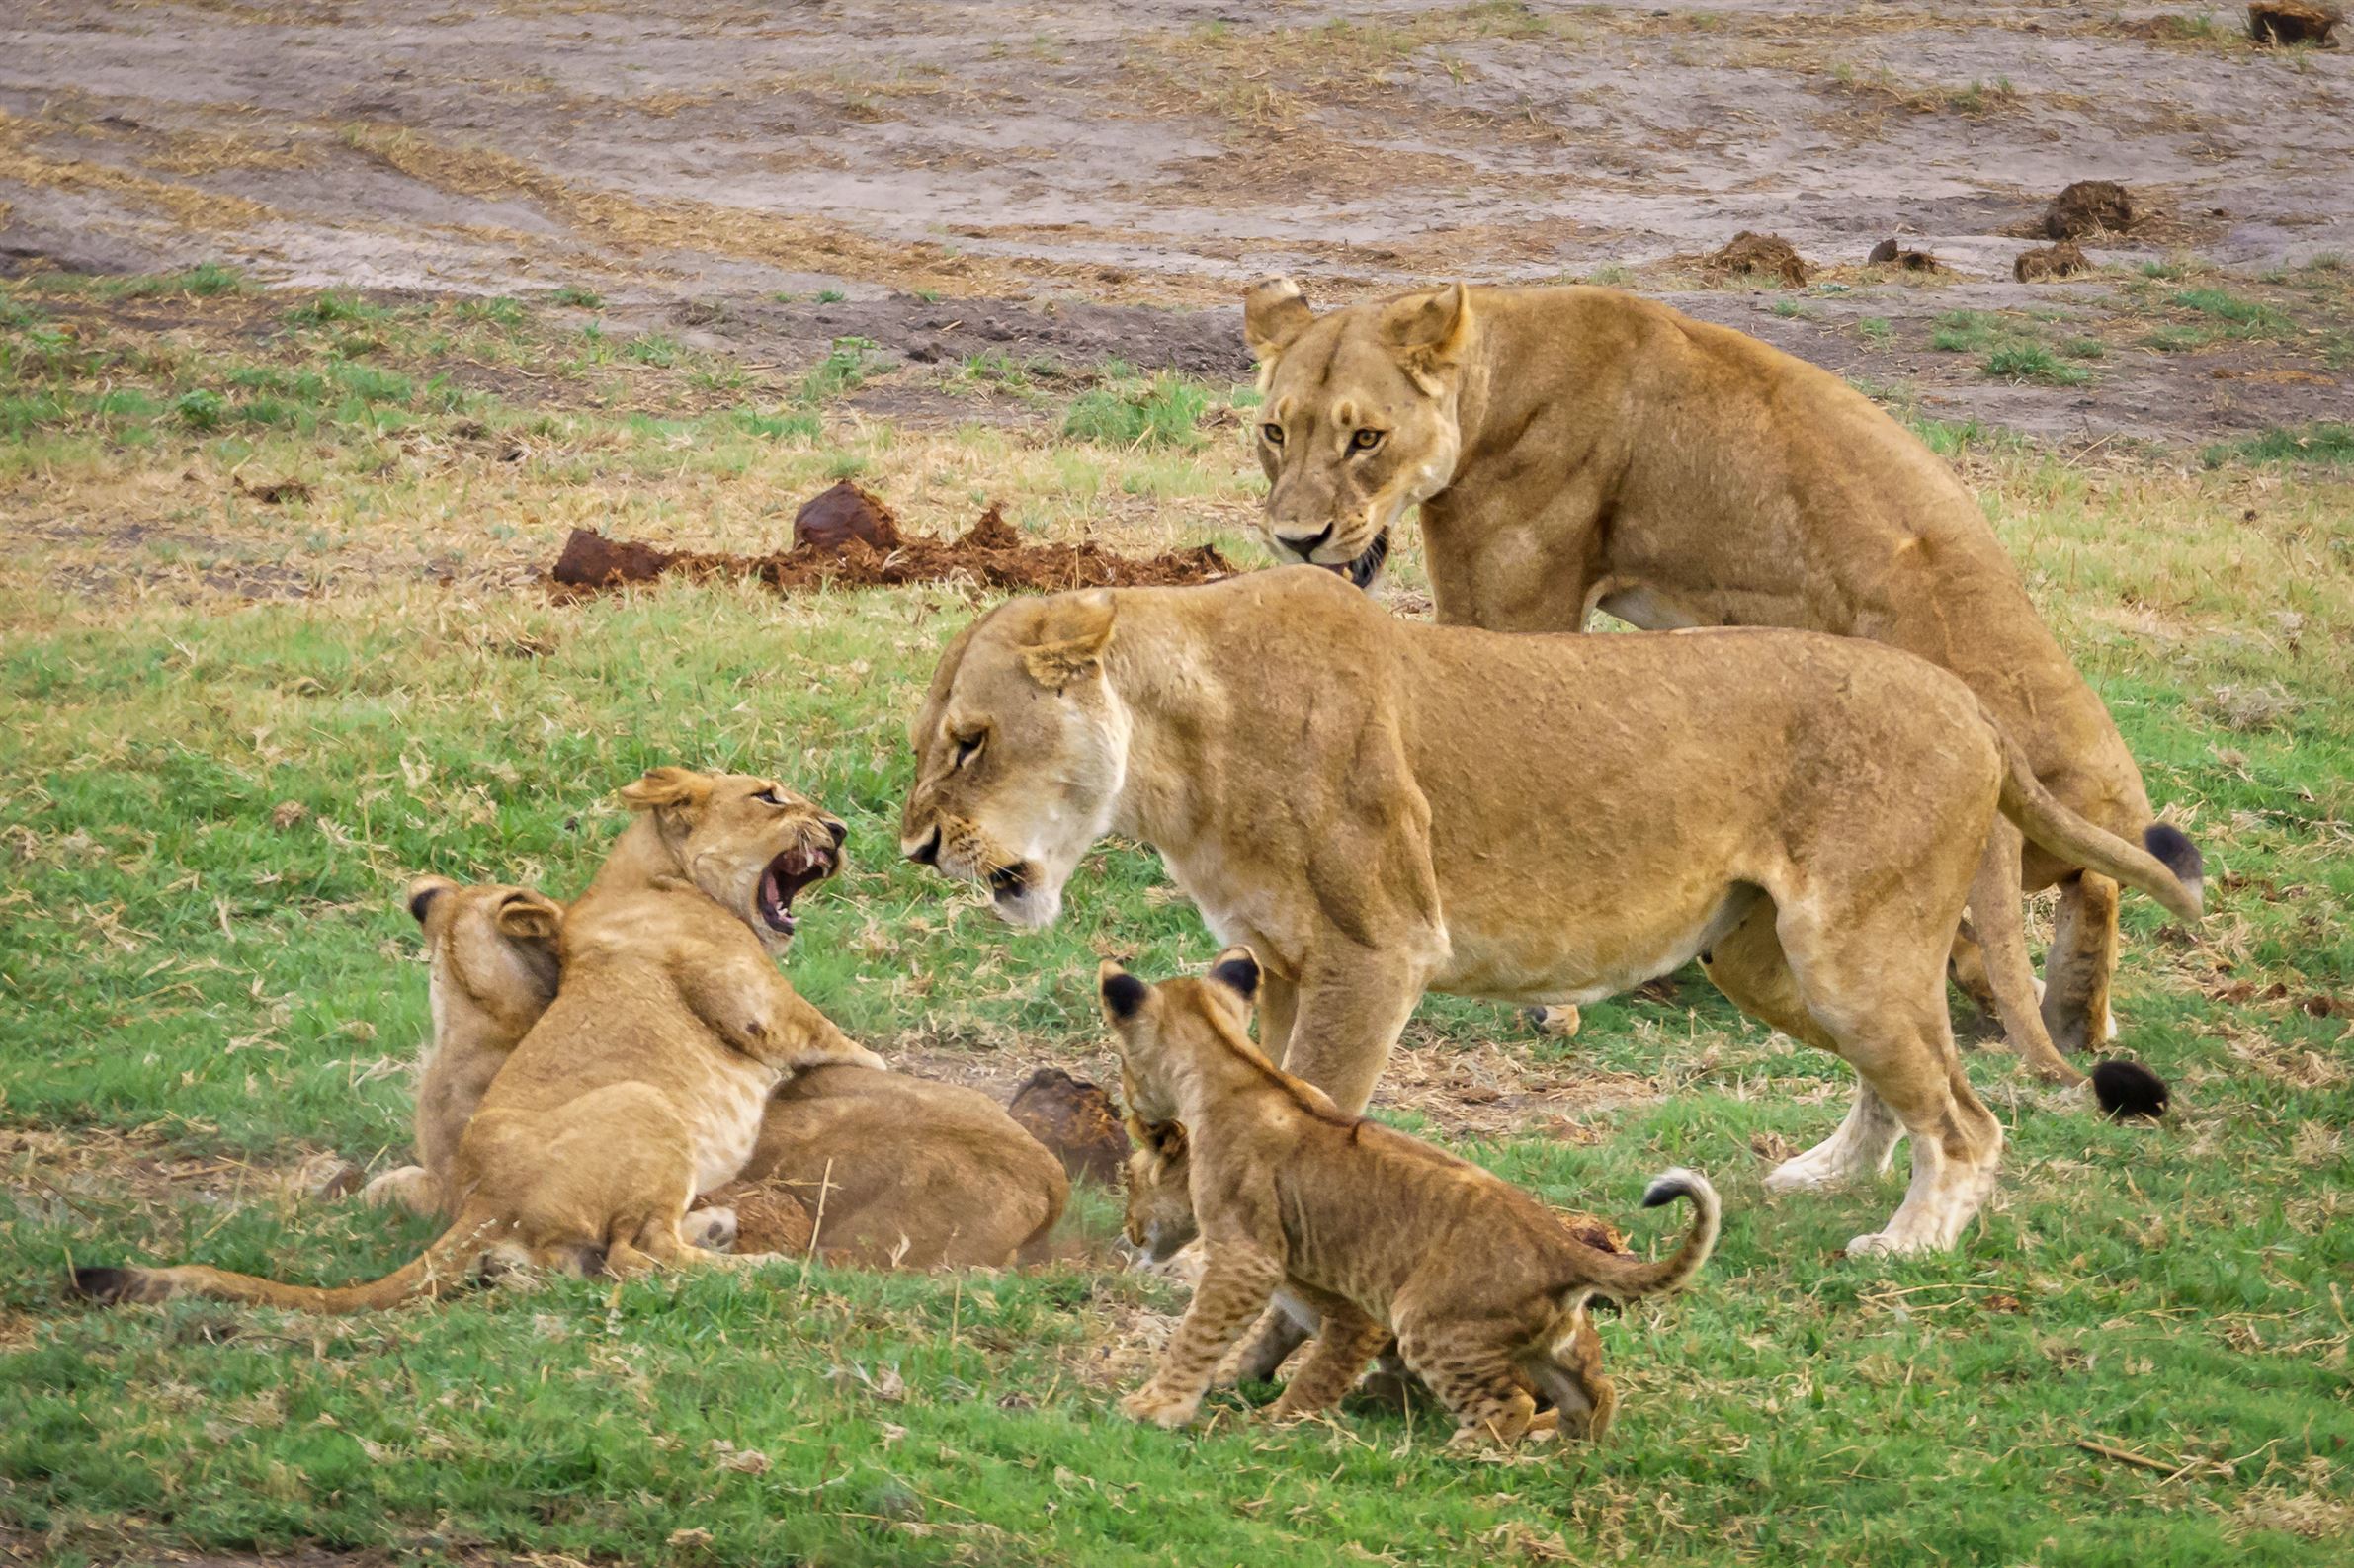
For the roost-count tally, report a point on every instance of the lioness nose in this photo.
(1305, 545)
(928, 851)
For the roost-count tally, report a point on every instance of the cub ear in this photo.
(1123, 995)
(423, 892)
(1237, 970)
(529, 917)
(1274, 314)
(1430, 331)
(1068, 640)
(668, 790)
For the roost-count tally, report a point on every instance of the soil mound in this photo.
(1749, 254)
(2047, 263)
(2293, 22)
(2089, 207)
(991, 555)
(1887, 253)
(1076, 1121)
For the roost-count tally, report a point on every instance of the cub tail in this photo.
(1624, 1279)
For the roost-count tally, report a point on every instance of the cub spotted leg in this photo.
(1237, 1281)
(1469, 1366)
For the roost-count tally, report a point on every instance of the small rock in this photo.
(287, 815)
(843, 512)
(1076, 1121)
(2046, 263)
(1887, 253)
(2089, 207)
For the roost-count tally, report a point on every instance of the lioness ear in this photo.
(1274, 314)
(423, 892)
(1073, 632)
(529, 917)
(1169, 1140)
(1124, 994)
(1430, 331)
(668, 790)
(1237, 970)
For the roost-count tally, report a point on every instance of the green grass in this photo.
(199, 997)
(2015, 347)
(2034, 361)
(845, 368)
(2322, 442)
(1162, 412)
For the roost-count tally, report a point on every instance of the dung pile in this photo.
(2046, 263)
(1751, 254)
(2087, 207)
(837, 553)
(2293, 22)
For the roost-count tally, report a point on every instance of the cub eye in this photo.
(770, 796)
(1366, 440)
(1272, 432)
(968, 747)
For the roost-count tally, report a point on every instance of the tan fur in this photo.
(915, 1174)
(491, 951)
(903, 1171)
(1580, 448)
(643, 1083)
(1380, 808)
(1374, 1231)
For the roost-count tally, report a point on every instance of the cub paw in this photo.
(712, 1229)
(1162, 1410)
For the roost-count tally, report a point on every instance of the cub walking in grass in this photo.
(1376, 1232)
(646, 1082)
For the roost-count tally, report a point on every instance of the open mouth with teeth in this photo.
(1366, 567)
(797, 868)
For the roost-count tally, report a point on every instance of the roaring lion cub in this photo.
(491, 950)
(1375, 1232)
(1580, 448)
(645, 1081)
(1380, 808)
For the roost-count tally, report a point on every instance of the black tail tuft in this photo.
(2181, 857)
(1670, 1186)
(105, 1285)
(2129, 1089)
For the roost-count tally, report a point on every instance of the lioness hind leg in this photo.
(1749, 967)
(1994, 911)
(411, 1186)
(2077, 968)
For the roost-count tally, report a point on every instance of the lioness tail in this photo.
(2165, 865)
(438, 1269)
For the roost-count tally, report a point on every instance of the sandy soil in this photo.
(1049, 176)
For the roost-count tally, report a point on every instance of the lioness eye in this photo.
(1366, 440)
(770, 797)
(968, 747)
(1272, 432)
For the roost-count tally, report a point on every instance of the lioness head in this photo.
(1161, 1031)
(750, 844)
(493, 955)
(1359, 418)
(1161, 1200)
(1020, 751)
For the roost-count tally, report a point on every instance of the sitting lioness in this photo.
(1575, 448)
(896, 1171)
(1380, 808)
(645, 1081)
(1376, 1232)
(492, 956)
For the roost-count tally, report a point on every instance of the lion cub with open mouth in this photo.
(1374, 1231)
(645, 1079)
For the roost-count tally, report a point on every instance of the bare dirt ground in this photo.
(1084, 181)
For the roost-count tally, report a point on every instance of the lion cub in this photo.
(645, 1081)
(1375, 1231)
(492, 956)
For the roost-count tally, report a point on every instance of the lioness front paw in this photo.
(712, 1229)
(1163, 1410)
(868, 1058)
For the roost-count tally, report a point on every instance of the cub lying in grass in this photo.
(1375, 1231)
(915, 1173)
(492, 954)
(644, 1082)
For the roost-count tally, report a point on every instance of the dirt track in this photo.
(1024, 177)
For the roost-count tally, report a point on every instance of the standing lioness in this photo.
(1380, 808)
(1575, 447)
